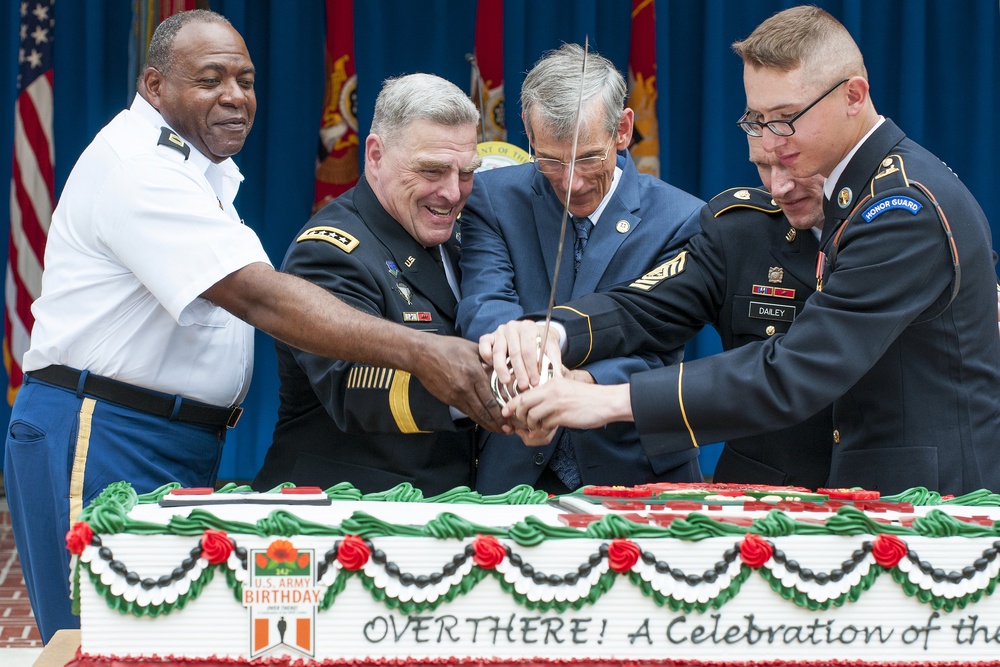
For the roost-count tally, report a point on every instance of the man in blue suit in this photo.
(623, 223)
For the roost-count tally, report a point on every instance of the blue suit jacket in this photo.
(510, 237)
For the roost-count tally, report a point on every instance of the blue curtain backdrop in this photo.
(934, 67)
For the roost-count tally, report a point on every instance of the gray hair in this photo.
(405, 99)
(160, 55)
(551, 90)
(807, 37)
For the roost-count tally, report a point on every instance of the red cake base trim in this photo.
(155, 661)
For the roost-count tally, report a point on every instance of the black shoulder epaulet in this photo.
(332, 235)
(169, 138)
(890, 176)
(733, 198)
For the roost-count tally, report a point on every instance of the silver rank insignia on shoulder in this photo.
(775, 274)
(405, 292)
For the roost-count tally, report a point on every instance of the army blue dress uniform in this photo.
(748, 275)
(342, 421)
(900, 337)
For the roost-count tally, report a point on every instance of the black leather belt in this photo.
(137, 398)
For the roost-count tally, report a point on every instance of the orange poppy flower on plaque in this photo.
(282, 551)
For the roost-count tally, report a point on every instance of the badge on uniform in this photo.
(170, 139)
(889, 203)
(666, 270)
(416, 317)
(393, 269)
(761, 310)
(767, 290)
(405, 292)
(845, 197)
(331, 235)
(775, 274)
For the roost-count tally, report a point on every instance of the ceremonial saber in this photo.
(504, 393)
(565, 214)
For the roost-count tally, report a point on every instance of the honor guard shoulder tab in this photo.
(735, 198)
(170, 138)
(331, 235)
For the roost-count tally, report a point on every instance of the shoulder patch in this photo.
(668, 269)
(882, 205)
(170, 139)
(736, 198)
(332, 235)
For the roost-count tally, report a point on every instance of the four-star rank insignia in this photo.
(331, 235)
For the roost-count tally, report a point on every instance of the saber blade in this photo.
(565, 214)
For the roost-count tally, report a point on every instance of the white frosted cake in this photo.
(664, 574)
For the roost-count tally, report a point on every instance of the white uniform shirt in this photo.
(138, 234)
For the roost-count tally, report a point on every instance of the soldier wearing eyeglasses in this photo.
(622, 222)
(899, 334)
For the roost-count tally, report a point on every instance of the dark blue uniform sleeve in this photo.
(361, 398)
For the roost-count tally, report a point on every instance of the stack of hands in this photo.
(558, 397)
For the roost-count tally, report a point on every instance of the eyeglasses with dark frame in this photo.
(584, 165)
(781, 128)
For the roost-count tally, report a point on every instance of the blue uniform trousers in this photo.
(62, 449)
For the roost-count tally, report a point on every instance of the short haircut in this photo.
(805, 36)
(160, 55)
(405, 99)
(551, 91)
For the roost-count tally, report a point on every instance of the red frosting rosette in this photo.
(215, 546)
(622, 555)
(353, 553)
(78, 537)
(488, 551)
(888, 550)
(755, 550)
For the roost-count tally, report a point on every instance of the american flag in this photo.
(32, 188)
